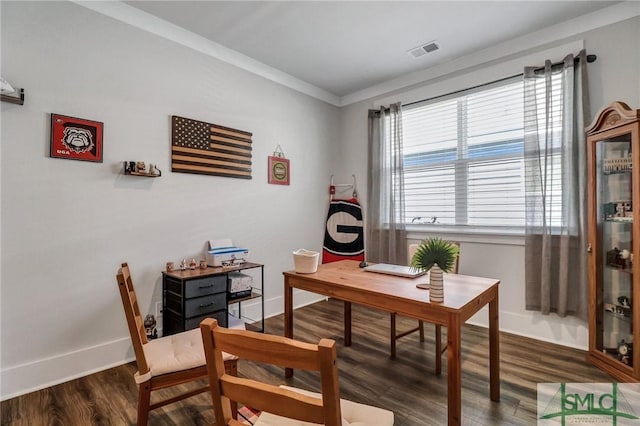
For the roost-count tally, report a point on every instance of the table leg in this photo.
(347, 323)
(454, 376)
(392, 336)
(288, 317)
(494, 349)
(438, 349)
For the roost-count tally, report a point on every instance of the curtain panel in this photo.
(555, 113)
(386, 235)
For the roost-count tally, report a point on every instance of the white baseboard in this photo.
(275, 306)
(32, 376)
(568, 331)
(40, 374)
(29, 377)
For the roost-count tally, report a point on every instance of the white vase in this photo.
(436, 287)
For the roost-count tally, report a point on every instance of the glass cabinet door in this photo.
(615, 249)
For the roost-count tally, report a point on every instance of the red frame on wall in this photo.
(76, 138)
(279, 170)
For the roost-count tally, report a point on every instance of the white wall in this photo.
(615, 76)
(67, 225)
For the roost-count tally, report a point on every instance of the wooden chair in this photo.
(164, 362)
(394, 335)
(281, 405)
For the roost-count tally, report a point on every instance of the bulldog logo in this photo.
(77, 139)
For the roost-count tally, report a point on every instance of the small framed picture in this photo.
(279, 172)
(76, 138)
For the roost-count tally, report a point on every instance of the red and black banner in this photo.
(344, 234)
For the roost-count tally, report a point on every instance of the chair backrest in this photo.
(134, 319)
(273, 350)
(414, 247)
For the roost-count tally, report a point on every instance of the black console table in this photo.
(192, 295)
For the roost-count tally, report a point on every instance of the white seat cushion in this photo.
(353, 414)
(173, 353)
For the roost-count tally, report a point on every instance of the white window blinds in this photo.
(463, 158)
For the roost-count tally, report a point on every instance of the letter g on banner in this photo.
(344, 234)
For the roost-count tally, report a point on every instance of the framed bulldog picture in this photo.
(76, 138)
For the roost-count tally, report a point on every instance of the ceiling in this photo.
(343, 47)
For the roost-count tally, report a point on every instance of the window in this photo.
(464, 158)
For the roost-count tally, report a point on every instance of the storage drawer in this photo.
(173, 303)
(221, 316)
(203, 286)
(203, 305)
(172, 324)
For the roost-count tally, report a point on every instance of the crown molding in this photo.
(147, 22)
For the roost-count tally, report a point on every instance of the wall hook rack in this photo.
(333, 186)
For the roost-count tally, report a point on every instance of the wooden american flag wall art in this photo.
(208, 149)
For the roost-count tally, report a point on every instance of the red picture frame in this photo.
(279, 170)
(76, 138)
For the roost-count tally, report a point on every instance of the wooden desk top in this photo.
(463, 295)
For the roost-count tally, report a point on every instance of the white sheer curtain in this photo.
(386, 239)
(556, 102)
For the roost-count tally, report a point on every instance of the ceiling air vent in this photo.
(416, 52)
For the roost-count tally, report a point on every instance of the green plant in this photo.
(435, 251)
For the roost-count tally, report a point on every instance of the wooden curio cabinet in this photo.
(613, 161)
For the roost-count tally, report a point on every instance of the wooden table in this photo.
(463, 297)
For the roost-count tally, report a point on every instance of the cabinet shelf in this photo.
(618, 220)
(621, 172)
(618, 316)
(623, 270)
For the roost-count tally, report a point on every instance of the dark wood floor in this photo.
(407, 385)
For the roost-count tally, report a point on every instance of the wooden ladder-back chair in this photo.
(164, 362)
(281, 405)
(420, 328)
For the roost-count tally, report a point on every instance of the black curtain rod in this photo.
(590, 59)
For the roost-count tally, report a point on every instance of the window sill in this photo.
(473, 235)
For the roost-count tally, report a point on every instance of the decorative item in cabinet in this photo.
(619, 211)
(613, 153)
(617, 165)
(617, 258)
(190, 295)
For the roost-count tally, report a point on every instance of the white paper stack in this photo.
(235, 322)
